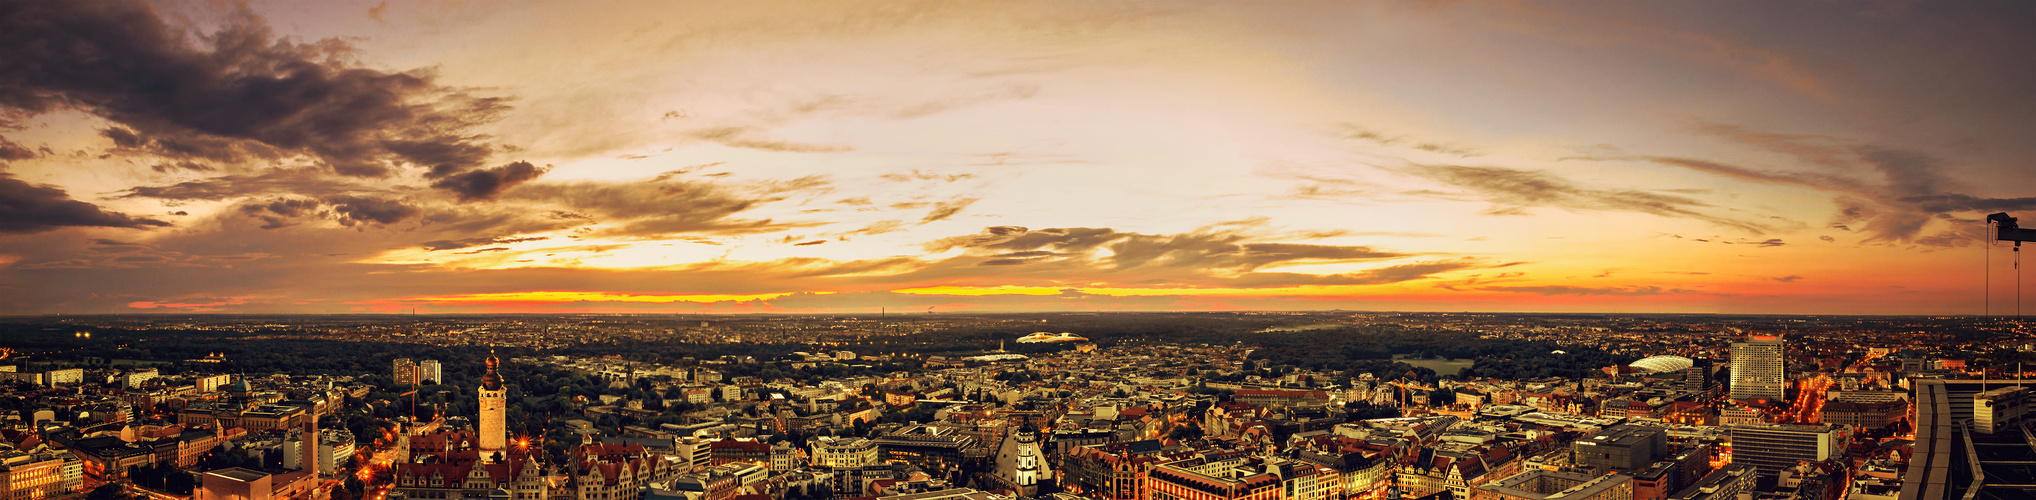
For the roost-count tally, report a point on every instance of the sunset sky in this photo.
(842, 156)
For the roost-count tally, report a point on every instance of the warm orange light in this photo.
(560, 297)
(1295, 291)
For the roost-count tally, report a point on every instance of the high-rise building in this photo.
(403, 371)
(494, 408)
(430, 370)
(1757, 370)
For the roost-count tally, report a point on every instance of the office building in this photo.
(1769, 448)
(1757, 369)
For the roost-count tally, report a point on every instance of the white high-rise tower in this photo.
(494, 409)
(1757, 369)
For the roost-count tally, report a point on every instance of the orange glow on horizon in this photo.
(1298, 291)
(560, 297)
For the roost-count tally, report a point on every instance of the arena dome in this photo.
(1664, 364)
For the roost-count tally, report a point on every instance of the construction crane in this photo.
(2006, 230)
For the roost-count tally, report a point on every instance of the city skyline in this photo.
(348, 157)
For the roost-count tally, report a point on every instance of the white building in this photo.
(335, 448)
(844, 452)
(138, 377)
(61, 377)
(1996, 410)
(1757, 369)
(430, 370)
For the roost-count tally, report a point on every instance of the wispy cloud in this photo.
(1513, 190)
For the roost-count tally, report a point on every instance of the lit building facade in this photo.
(32, 476)
(1758, 372)
(494, 414)
(844, 452)
(430, 370)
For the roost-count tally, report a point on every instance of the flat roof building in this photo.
(1769, 448)
(1623, 448)
(1563, 485)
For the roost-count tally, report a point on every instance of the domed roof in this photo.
(1664, 364)
(492, 381)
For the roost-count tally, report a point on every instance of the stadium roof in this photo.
(1663, 364)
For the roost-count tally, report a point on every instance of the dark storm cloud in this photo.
(347, 210)
(230, 95)
(303, 181)
(280, 213)
(351, 210)
(29, 208)
(487, 183)
(1513, 190)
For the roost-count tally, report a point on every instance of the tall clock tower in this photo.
(494, 408)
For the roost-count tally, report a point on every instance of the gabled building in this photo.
(451, 465)
(615, 472)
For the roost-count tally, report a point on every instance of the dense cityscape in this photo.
(1016, 250)
(1149, 406)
